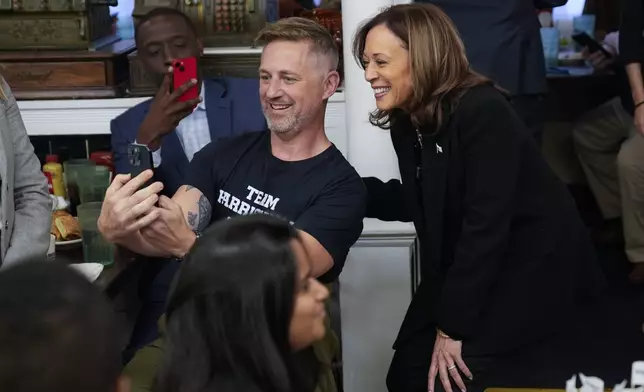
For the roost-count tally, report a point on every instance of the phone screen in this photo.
(593, 46)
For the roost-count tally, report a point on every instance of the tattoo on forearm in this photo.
(192, 219)
(200, 219)
(205, 212)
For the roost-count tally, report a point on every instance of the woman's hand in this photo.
(447, 361)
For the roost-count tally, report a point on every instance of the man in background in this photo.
(57, 333)
(175, 131)
(25, 206)
(503, 42)
(610, 150)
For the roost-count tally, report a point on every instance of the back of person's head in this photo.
(438, 65)
(57, 332)
(298, 29)
(229, 313)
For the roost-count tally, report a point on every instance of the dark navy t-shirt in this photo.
(323, 195)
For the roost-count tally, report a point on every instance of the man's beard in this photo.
(283, 124)
(287, 122)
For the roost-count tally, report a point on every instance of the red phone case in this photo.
(182, 71)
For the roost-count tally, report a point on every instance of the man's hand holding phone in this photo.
(166, 111)
(127, 207)
(170, 231)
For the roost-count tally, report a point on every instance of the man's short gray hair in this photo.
(297, 29)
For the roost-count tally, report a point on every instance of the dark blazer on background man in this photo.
(503, 249)
(503, 40)
(232, 107)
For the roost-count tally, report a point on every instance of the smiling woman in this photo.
(382, 47)
(494, 223)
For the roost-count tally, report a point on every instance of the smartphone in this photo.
(593, 46)
(140, 159)
(183, 70)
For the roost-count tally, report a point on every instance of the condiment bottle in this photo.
(54, 172)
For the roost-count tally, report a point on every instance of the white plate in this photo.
(70, 242)
(89, 270)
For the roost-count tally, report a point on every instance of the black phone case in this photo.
(140, 159)
(592, 45)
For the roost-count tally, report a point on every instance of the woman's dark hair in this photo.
(440, 71)
(229, 312)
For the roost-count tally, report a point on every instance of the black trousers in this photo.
(532, 111)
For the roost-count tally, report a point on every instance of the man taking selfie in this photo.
(175, 130)
(291, 170)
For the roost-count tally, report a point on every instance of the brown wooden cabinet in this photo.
(55, 24)
(222, 23)
(68, 74)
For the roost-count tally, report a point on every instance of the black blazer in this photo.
(502, 40)
(504, 253)
(631, 43)
(631, 46)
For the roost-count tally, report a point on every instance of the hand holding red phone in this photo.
(167, 109)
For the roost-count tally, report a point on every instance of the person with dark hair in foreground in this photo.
(57, 333)
(244, 312)
(505, 257)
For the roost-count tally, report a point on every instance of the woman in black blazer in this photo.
(504, 254)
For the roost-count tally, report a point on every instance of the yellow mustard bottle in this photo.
(54, 172)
